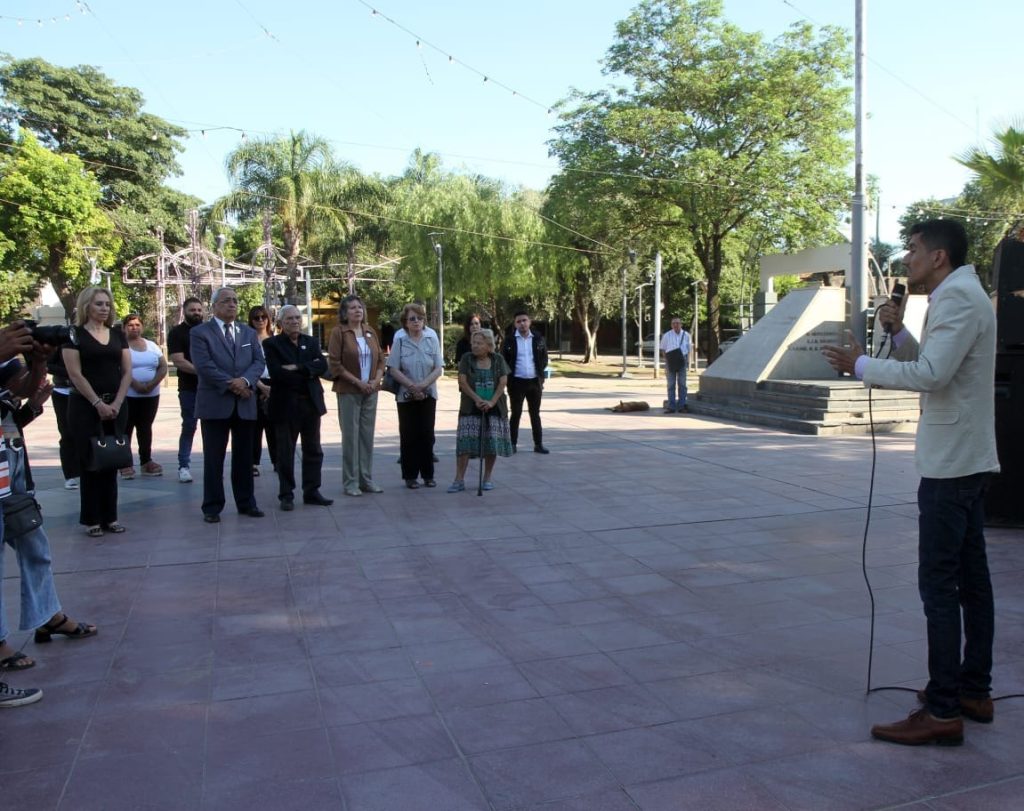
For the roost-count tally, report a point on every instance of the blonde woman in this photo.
(356, 364)
(99, 365)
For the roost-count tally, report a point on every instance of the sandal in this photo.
(115, 527)
(127, 473)
(94, 531)
(19, 661)
(80, 631)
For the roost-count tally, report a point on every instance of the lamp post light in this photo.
(632, 261)
(640, 323)
(697, 285)
(439, 250)
(221, 242)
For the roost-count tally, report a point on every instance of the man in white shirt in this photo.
(527, 357)
(675, 347)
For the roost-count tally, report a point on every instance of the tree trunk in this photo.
(714, 277)
(61, 283)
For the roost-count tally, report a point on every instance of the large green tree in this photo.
(49, 211)
(708, 127)
(297, 179)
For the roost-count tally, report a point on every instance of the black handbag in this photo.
(389, 384)
(108, 452)
(21, 515)
(675, 360)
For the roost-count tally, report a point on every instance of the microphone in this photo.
(896, 299)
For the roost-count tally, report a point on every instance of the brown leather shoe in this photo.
(981, 710)
(920, 728)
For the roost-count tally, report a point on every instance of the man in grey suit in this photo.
(953, 367)
(229, 360)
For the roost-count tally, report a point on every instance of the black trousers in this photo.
(69, 465)
(416, 437)
(303, 422)
(263, 426)
(98, 490)
(215, 447)
(141, 413)
(519, 389)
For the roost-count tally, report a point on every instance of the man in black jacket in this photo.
(527, 357)
(295, 363)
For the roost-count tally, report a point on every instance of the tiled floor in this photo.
(665, 613)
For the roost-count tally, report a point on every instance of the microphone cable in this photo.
(864, 545)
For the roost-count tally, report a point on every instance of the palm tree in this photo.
(296, 178)
(1001, 172)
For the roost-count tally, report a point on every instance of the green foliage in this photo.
(50, 211)
(712, 132)
(1000, 174)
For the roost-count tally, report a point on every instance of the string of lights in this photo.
(45, 19)
(452, 59)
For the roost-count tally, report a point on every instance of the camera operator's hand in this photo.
(15, 339)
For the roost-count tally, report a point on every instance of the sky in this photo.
(941, 76)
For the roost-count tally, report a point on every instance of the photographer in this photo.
(40, 607)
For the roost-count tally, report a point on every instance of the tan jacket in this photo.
(954, 369)
(343, 358)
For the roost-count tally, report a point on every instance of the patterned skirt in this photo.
(497, 440)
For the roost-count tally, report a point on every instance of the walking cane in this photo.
(480, 453)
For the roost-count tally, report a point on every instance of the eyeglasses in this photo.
(414, 318)
(261, 318)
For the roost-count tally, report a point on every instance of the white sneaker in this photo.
(184, 475)
(71, 484)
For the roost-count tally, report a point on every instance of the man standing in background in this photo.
(181, 356)
(527, 357)
(675, 346)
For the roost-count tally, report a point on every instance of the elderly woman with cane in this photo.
(483, 411)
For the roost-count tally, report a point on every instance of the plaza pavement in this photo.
(667, 612)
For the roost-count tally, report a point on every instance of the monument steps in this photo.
(820, 407)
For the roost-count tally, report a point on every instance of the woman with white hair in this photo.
(483, 410)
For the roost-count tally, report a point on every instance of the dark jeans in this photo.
(416, 437)
(520, 389)
(187, 402)
(303, 421)
(953, 577)
(215, 446)
(69, 465)
(141, 413)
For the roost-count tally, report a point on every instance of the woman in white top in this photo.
(149, 368)
(415, 362)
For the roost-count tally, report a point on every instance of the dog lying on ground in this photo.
(625, 406)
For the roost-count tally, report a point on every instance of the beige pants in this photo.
(357, 416)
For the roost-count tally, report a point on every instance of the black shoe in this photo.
(211, 518)
(514, 448)
(287, 504)
(253, 512)
(412, 484)
(540, 449)
(318, 499)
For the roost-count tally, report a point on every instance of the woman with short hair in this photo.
(259, 320)
(356, 364)
(415, 362)
(483, 410)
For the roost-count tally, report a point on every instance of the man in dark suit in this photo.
(295, 363)
(228, 360)
(527, 357)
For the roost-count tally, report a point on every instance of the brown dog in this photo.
(625, 406)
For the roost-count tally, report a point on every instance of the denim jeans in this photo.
(187, 402)
(676, 380)
(953, 577)
(38, 593)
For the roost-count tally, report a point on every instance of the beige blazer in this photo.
(954, 369)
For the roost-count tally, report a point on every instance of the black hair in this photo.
(946, 235)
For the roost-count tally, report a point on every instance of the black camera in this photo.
(54, 335)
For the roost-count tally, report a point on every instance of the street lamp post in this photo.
(632, 261)
(640, 322)
(439, 250)
(221, 242)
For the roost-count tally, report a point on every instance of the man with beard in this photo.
(181, 357)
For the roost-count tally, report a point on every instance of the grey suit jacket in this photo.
(217, 362)
(954, 369)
